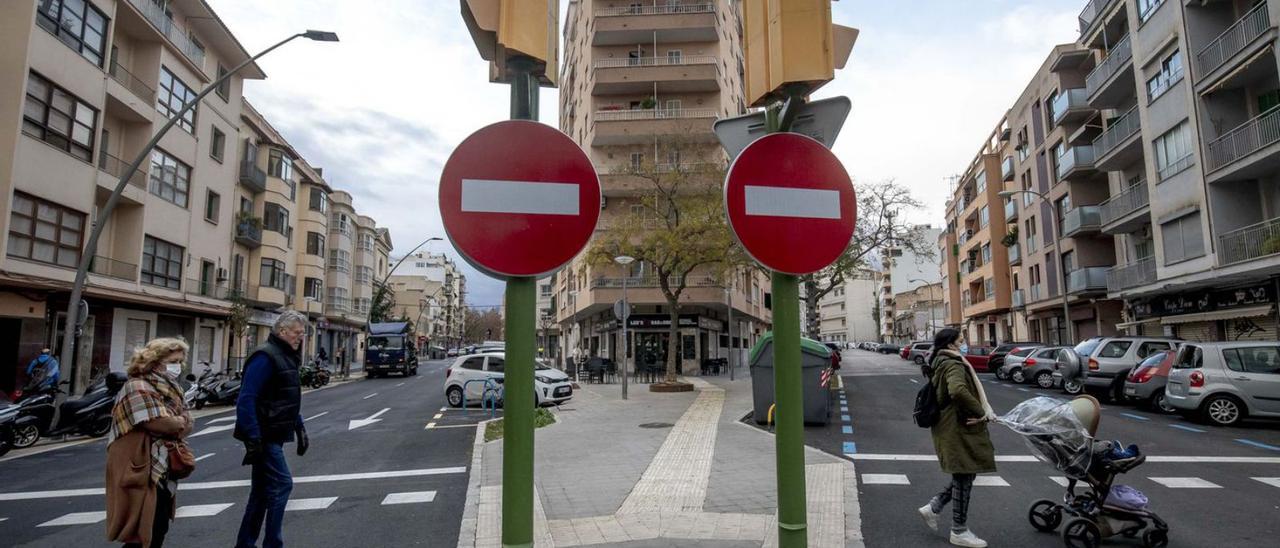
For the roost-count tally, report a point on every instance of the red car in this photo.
(978, 357)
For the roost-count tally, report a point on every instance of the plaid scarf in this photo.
(150, 396)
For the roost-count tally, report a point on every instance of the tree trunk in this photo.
(673, 342)
(813, 321)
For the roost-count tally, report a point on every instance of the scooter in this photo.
(196, 383)
(8, 416)
(89, 414)
(313, 375)
(220, 388)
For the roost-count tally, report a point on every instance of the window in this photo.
(340, 260)
(237, 273)
(982, 182)
(364, 274)
(59, 118)
(340, 224)
(280, 165)
(1146, 8)
(1055, 159)
(1148, 348)
(637, 160)
(475, 364)
(43, 231)
(170, 179)
(212, 206)
(1069, 261)
(366, 242)
(990, 287)
(319, 200)
(162, 263)
(224, 89)
(1169, 74)
(78, 24)
(172, 95)
(986, 253)
(313, 288)
(1174, 150)
(1030, 225)
(315, 244)
(673, 56)
(275, 218)
(1259, 359)
(984, 216)
(1182, 238)
(1115, 349)
(273, 274)
(1063, 205)
(217, 144)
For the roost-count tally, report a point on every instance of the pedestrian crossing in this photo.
(1188, 482)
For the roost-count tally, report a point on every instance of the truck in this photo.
(390, 348)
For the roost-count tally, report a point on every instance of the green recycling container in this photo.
(815, 357)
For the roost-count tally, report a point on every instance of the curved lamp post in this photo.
(1062, 268)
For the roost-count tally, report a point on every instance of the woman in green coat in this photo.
(960, 437)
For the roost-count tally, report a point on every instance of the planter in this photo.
(665, 387)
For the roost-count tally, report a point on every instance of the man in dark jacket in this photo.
(268, 415)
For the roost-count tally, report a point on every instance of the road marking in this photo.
(309, 504)
(990, 481)
(213, 430)
(399, 385)
(4, 519)
(913, 381)
(370, 396)
(409, 498)
(845, 418)
(204, 456)
(1032, 458)
(438, 415)
(361, 423)
(201, 510)
(76, 518)
(220, 419)
(1135, 417)
(527, 197)
(1258, 444)
(846, 429)
(1023, 390)
(453, 426)
(885, 479)
(315, 416)
(1186, 483)
(1060, 480)
(1187, 428)
(850, 448)
(807, 203)
(844, 409)
(444, 408)
(1274, 482)
(431, 425)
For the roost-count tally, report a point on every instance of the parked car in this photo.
(905, 353)
(919, 352)
(551, 386)
(1224, 382)
(1146, 383)
(997, 355)
(979, 357)
(1108, 360)
(1013, 362)
(1038, 367)
(888, 348)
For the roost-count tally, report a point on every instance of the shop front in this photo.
(1245, 313)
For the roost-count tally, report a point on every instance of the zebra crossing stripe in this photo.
(1186, 483)
(76, 518)
(409, 498)
(990, 481)
(1274, 482)
(201, 510)
(309, 504)
(885, 479)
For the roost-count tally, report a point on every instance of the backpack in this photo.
(927, 410)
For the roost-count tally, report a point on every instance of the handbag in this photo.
(182, 462)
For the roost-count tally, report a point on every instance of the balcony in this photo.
(252, 177)
(1082, 220)
(115, 167)
(670, 22)
(639, 126)
(1128, 276)
(1015, 255)
(336, 305)
(1249, 243)
(207, 288)
(1120, 145)
(1091, 14)
(649, 282)
(1245, 140)
(1035, 293)
(1118, 211)
(249, 232)
(1072, 105)
(1019, 298)
(1076, 162)
(1089, 279)
(1010, 210)
(132, 83)
(111, 268)
(1006, 168)
(673, 74)
(1246, 34)
(1112, 80)
(155, 14)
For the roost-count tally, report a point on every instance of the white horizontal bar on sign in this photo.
(808, 203)
(527, 197)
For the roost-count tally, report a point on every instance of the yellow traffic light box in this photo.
(791, 42)
(503, 29)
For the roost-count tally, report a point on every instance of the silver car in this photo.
(920, 352)
(1224, 382)
(1012, 367)
(1039, 366)
(1107, 361)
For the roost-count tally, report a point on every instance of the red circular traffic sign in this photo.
(519, 198)
(790, 203)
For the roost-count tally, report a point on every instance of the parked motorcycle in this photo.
(8, 416)
(89, 414)
(194, 384)
(313, 374)
(216, 389)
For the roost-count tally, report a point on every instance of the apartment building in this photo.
(903, 270)
(918, 315)
(548, 328)
(358, 254)
(640, 87)
(430, 289)
(848, 312)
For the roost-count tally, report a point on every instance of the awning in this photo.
(1248, 312)
(1126, 325)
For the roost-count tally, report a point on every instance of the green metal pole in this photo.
(788, 396)
(518, 397)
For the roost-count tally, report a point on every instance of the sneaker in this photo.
(930, 518)
(967, 539)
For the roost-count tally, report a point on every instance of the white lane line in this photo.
(409, 498)
(204, 456)
(201, 510)
(315, 416)
(1186, 483)
(924, 458)
(808, 203)
(438, 415)
(221, 419)
(1023, 390)
(1060, 480)
(213, 430)
(76, 518)
(990, 481)
(309, 504)
(885, 479)
(1031, 458)
(370, 396)
(527, 197)
(444, 408)
(914, 381)
(399, 385)
(431, 425)
(1274, 482)
(4, 519)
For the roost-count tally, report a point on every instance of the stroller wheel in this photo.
(1081, 533)
(1045, 515)
(1155, 538)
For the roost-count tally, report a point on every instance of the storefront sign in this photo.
(641, 321)
(262, 317)
(1205, 301)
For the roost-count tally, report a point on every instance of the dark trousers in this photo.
(269, 492)
(159, 527)
(957, 493)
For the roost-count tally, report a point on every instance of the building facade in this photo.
(848, 312)
(918, 315)
(430, 289)
(903, 270)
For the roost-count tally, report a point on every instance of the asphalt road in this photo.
(386, 482)
(1206, 501)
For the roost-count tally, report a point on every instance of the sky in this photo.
(382, 110)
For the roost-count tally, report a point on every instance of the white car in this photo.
(551, 386)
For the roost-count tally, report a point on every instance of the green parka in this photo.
(961, 448)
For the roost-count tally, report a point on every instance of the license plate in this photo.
(1132, 390)
(564, 391)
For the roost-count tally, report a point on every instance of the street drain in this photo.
(656, 425)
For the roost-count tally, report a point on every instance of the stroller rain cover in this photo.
(1053, 432)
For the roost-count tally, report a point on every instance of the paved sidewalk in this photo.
(660, 470)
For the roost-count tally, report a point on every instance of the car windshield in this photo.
(386, 343)
(1086, 348)
(1023, 352)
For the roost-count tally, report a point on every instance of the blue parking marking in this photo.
(845, 418)
(1187, 428)
(850, 448)
(1258, 444)
(1135, 417)
(844, 409)
(846, 429)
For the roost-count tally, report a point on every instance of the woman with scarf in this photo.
(149, 415)
(960, 437)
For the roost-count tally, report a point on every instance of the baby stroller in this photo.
(1062, 434)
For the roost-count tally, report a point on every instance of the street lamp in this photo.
(1062, 268)
(933, 323)
(91, 247)
(624, 260)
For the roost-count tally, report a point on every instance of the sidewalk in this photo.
(676, 467)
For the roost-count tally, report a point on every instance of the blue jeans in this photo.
(268, 495)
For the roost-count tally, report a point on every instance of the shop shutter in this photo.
(1257, 328)
(1196, 331)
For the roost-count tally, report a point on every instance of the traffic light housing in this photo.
(504, 29)
(788, 43)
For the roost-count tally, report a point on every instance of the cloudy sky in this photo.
(381, 110)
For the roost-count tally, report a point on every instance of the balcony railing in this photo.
(1246, 139)
(1091, 12)
(115, 167)
(1019, 298)
(1128, 201)
(677, 60)
(1035, 293)
(338, 304)
(664, 9)
(654, 114)
(1121, 129)
(1006, 168)
(1120, 54)
(128, 80)
(252, 177)
(156, 15)
(1081, 219)
(1010, 210)
(1078, 157)
(1136, 274)
(207, 288)
(1015, 254)
(1250, 242)
(249, 233)
(1233, 40)
(1090, 278)
(112, 268)
(1069, 99)
(653, 281)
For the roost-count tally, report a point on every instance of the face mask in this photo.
(174, 368)
(964, 348)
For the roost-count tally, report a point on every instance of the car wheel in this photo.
(1000, 374)
(1044, 379)
(1160, 402)
(1223, 410)
(200, 403)
(919, 360)
(1018, 375)
(1074, 387)
(4, 447)
(25, 436)
(454, 396)
(100, 429)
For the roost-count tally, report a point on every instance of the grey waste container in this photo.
(814, 358)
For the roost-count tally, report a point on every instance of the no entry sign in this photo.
(790, 203)
(519, 198)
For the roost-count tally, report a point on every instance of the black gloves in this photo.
(304, 443)
(253, 452)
